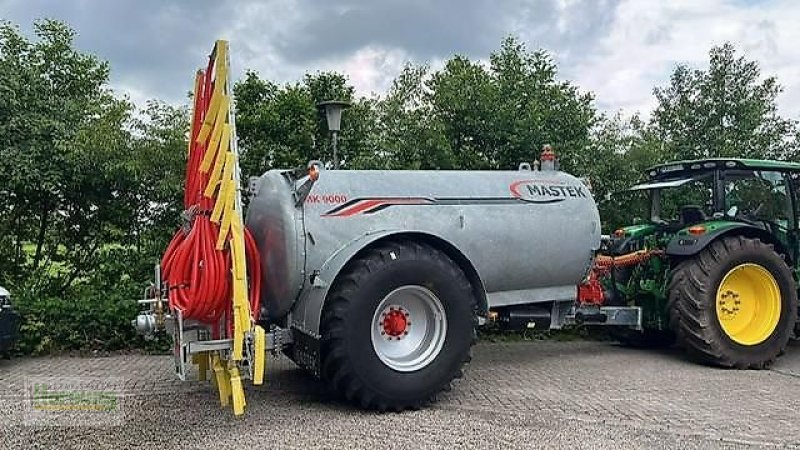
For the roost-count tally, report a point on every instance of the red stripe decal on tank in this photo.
(373, 205)
(368, 204)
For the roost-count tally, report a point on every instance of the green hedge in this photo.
(93, 314)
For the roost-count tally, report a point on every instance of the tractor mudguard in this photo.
(685, 243)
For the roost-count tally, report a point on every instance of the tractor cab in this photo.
(691, 197)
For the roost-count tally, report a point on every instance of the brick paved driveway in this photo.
(515, 395)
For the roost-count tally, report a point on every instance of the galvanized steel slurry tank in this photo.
(382, 276)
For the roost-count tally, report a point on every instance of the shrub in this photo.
(93, 314)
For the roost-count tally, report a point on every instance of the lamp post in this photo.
(333, 113)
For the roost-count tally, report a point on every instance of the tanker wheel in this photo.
(397, 327)
(734, 304)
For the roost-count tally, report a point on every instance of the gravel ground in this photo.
(515, 395)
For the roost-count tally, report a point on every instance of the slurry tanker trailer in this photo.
(381, 277)
(375, 281)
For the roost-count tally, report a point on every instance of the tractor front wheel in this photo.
(734, 304)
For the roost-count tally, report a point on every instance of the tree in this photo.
(727, 110)
(158, 161)
(91, 188)
(618, 153)
(408, 133)
(356, 138)
(536, 108)
(281, 126)
(90, 191)
(276, 126)
(63, 153)
(464, 116)
(463, 98)
(499, 116)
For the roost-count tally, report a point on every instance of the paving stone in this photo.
(514, 395)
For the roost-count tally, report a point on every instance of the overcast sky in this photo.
(619, 49)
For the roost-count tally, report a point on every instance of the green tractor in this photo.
(714, 268)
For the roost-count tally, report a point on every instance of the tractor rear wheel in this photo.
(397, 327)
(734, 304)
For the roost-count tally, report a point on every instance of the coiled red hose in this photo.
(198, 275)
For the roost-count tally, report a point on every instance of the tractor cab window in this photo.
(689, 203)
(680, 202)
(758, 196)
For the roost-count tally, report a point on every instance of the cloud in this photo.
(423, 28)
(648, 39)
(153, 46)
(618, 49)
(370, 41)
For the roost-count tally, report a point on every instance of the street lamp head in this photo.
(333, 112)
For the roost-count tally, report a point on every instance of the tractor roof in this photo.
(698, 166)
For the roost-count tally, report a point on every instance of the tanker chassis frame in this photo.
(192, 338)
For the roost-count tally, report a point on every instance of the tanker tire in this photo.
(692, 296)
(350, 365)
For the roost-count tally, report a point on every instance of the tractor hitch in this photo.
(628, 316)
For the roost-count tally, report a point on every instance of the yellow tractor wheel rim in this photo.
(748, 304)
